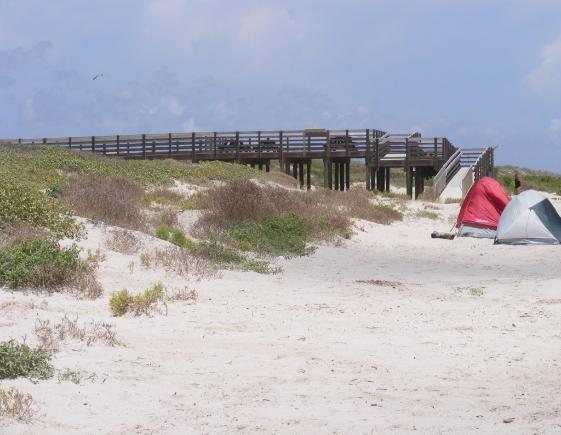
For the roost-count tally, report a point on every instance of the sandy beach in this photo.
(389, 332)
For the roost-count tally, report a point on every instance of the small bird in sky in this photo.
(97, 76)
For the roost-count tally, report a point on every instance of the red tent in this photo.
(483, 205)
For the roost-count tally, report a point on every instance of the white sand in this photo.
(470, 336)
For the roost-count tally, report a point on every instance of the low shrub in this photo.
(178, 238)
(120, 302)
(44, 167)
(20, 203)
(220, 254)
(112, 200)
(277, 235)
(42, 264)
(37, 263)
(123, 302)
(283, 222)
(19, 360)
(15, 404)
(123, 241)
(162, 232)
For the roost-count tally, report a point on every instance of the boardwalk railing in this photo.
(419, 156)
(448, 170)
(233, 145)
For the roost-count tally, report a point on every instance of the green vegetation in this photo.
(218, 253)
(537, 180)
(46, 167)
(277, 235)
(20, 360)
(174, 235)
(162, 232)
(21, 203)
(123, 302)
(38, 263)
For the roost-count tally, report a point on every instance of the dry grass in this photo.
(180, 261)
(247, 201)
(51, 335)
(17, 232)
(161, 196)
(379, 282)
(165, 216)
(123, 241)
(426, 214)
(85, 283)
(280, 178)
(17, 405)
(184, 295)
(112, 200)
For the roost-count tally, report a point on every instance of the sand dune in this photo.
(391, 332)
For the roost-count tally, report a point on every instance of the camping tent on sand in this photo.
(481, 209)
(529, 219)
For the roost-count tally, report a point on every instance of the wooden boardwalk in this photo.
(294, 150)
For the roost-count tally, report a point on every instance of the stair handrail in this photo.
(441, 179)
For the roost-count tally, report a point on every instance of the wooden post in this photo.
(169, 144)
(347, 142)
(341, 176)
(93, 144)
(309, 174)
(435, 159)
(44, 141)
(387, 176)
(377, 153)
(259, 146)
(70, 143)
(409, 181)
(295, 170)
(118, 145)
(348, 174)
(153, 147)
(328, 168)
(367, 178)
(144, 146)
(267, 165)
(214, 144)
(103, 148)
(281, 163)
(193, 150)
(287, 168)
(336, 187)
(301, 174)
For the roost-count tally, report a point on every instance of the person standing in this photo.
(517, 184)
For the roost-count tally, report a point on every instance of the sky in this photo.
(479, 72)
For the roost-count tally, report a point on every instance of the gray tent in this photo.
(529, 218)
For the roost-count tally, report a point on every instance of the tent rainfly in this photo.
(481, 209)
(528, 219)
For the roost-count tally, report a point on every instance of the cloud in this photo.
(555, 125)
(15, 58)
(547, 75)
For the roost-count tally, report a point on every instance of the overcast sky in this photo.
(480, 72)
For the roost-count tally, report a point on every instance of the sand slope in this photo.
(461, 336)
